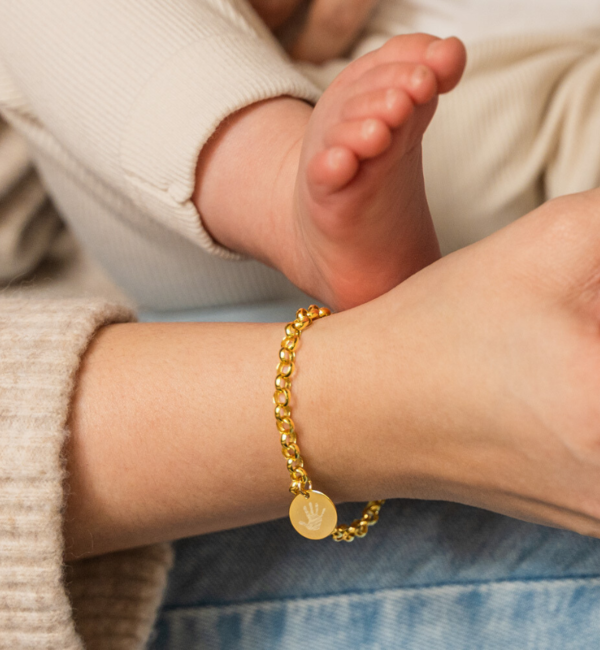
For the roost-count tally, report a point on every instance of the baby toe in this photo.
(447, 59)
(366, 138)
(391, 105)
(330, 170)
(411, 48)
(416, 79)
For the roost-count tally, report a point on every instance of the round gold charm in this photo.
(315, 517)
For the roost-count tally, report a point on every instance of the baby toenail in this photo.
(336, 155)
(391, 97)
(434, 48)
(368, 128)
(419, 75)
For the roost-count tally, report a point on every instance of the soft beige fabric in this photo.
(27, 223)
(39, 257)
(524, 127)
(477, 20)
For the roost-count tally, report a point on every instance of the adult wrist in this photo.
(374, 418)
(343, 419)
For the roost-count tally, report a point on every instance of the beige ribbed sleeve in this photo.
(521, 128)
(130, 91)
(100, 603)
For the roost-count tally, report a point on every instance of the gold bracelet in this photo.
(312, 513)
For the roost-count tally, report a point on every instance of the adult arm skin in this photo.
(474, 381)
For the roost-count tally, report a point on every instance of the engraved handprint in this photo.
(314, 518)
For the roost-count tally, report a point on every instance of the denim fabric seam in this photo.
(349, 596)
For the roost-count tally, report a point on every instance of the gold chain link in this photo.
(301, 484)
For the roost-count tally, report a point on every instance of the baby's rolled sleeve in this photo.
(173, 118)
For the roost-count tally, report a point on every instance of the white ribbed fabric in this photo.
(115, 597)
(24, 209)
(522, 128)
(480, 20)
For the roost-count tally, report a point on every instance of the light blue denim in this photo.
(429, 576)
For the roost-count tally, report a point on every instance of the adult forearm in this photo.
(173, 433)
(475, 381)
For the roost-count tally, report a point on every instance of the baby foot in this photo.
(362, 223)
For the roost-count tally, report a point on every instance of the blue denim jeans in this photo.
(428, 576)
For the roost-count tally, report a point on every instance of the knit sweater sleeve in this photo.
(133, 90)
(99, 603)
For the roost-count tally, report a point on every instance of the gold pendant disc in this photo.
(315, 517)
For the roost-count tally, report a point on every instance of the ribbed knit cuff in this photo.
(181, 107)
(41, 345)
(115, 597)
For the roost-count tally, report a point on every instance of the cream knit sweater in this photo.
(116, 98)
